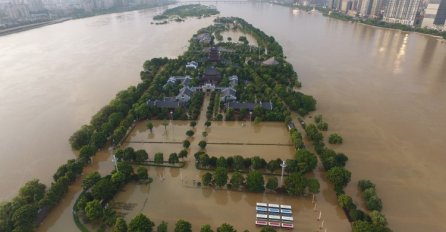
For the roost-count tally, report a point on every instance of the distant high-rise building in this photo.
(344, 5)
(334, 4)
(366, 7)
(435, 14)
(401, 11)
(375, 11)
(441, 14)
(35, 5)
(430, 14)
(17, 11)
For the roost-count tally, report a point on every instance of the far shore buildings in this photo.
(435, 15)
(401, 11)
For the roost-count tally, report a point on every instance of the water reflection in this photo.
(400, 56)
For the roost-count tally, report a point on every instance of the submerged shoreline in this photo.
(27, 27)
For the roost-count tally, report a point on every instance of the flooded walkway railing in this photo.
(252, 144)
(168, 142)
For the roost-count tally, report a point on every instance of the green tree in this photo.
(256, 162)
(162, 227)
(141, 156)
(87, 151)
(125, 168)
(237, 180)
(159, 158)
(183, 154)
(295, 184)
(193, 124)
(339, 177)
(365, 184)
(190, 133)
(378, 218)
(183, 226)
(129, 154)
(118, 178)
(141, 223)
(98, 139)
(362, 226)
(267, 229)
(186, 143)
(323, 126)
(204, 134)
(150, 126)
(221, 162)
(313, 185)
(120, 225)
(173, 158)
(202, 144)
(90, 179)
(318, 118)
(165, 123)
(93, 210)
(32, 191)
(207, 123)
(104, 189)
(203, 159)
(221, 176)
(345, 201)
(306, 161)
(24, 217)
(238, 162)
(335, 139)
(374, 203)
(81, 137)
(255, 182)
(206, 178)
(142, 173)
(108, 216)
(273, 165)
(225, 227)
(206, 228)
(272, 183)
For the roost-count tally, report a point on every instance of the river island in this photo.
(198, 117)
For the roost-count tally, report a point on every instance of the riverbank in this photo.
(370, 22)
(12, 30)
(31, 26)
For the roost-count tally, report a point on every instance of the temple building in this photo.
(214, 54)
(211, 75)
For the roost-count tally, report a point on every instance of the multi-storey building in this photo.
(366, 7)
(401, 11)
(441, 14)
(435, 14)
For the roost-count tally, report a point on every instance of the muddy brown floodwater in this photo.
(382, 90)
(173, 194)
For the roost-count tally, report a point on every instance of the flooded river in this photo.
(382, 90)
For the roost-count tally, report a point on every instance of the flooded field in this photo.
(170, 200)
(235, 35)
(247, 132)
(268, 152)
(174, 196)
(163, 131)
